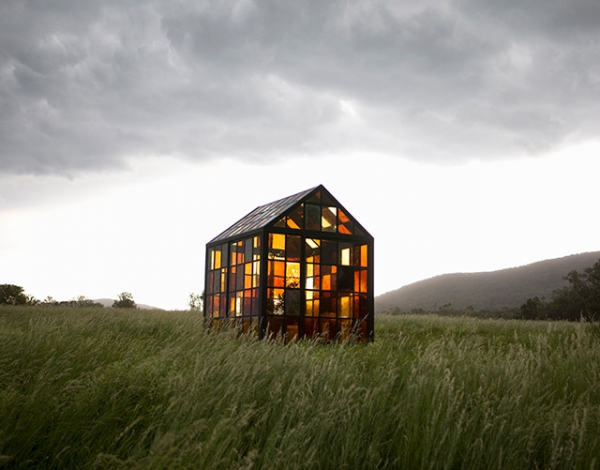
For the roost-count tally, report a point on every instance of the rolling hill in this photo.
(488, 290)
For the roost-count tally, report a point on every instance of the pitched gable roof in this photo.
(263, 215)
(270, 213)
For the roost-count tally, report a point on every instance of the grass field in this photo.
(97, 388)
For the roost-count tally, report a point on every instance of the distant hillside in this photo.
(490, 290)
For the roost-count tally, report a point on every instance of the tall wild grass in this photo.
(97, 388)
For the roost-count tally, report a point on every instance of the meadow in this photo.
(102, 388)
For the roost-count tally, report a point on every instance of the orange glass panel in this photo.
(344, 229)
(363, 280)
(364, 256)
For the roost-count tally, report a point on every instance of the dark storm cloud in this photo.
(84, 85)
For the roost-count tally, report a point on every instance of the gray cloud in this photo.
(84, 85)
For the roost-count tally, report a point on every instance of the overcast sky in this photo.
(462, 134)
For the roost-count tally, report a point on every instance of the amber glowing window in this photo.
(345, 224)
(276, 246)
(292, 275)
(345, 306)
(364, 256)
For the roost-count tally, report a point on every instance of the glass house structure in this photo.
(301, 266)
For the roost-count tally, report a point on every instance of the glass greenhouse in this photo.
(301, 266)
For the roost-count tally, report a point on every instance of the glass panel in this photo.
(233, 252)
(223, 279)
(240, 252)
(329, 252)
(292, 275)
(315, 197)
(280, 222)
(326, 199)
(275, 301)
(292, 302)
(296, 218)
(239, 297)
(215, 258)
(216, 282)
(256, 248)
(232, 277)
(312, 218)
(345, 278)
(329, 219)
(312, 250)
(328, 304)
(239, 278)
(276, 245)
(311, 326)
(345, 254)
(364, 256)
(248, 250)
(247, 302)
(292, 247)
(363, 280)
(345, 306)
(345, 224)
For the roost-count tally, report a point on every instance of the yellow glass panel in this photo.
(292, 275)
(364, 256)
(345, 306)
(309, 308)
(278, 241)
(345, 257)
(310, 270)
(223, 279)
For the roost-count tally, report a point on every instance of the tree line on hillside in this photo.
(11, 294)
(579, 300)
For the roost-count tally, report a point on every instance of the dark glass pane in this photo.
(315, 197)
(274, 325)
(312, 217)
(326, 199)
(292, 247)
(232, 277)
(280, 222)
(311, 326)
(329, 252)
(292, 302)
(328, 304)
(216, 281)
(248, 250)
(239, 279)
(345, 278)
(224, 254)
